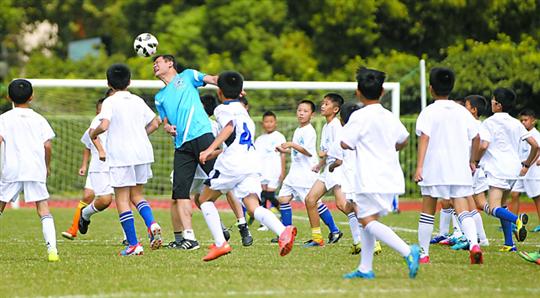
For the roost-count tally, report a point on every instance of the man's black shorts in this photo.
(186, 159)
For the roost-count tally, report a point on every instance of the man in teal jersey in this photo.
(184, 118)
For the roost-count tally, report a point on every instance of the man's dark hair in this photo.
(231, 84)
(118, 76)
(346, 111)
(479, 102)
(20, 91)
(506, 97)
(370, 82)
(310, 103)
(335, 98)
(442, 80)
(209, 103)
(527, 112)
(269, 114)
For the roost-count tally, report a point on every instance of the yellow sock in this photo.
(316, 234)
(81, 205)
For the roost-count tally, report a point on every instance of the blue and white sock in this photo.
(327, 218)
(146, 213)
(507, 232)
(286, 213)
(355, 227)
(128, 224)
(425, 228)
(444, 221)
(504, 213)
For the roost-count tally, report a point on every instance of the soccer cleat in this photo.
(132, 250)
(445, 241)
(484, 242)
(187, 244)
(68, 235)
(286, 240)
(438, 239)
(226, 233)
(216, 252)
(334, 237)
(247, 239)
(476, 255)
(424, 260)
(262, 228)
(83, 223)
(521, 233)
(463, 243)
(172, 244)
(507, 248)
(413, 260)
(313, 243)
(377, 249)
(154, 233)
(536, 229)
(358, 274)
(530, 256)
(355, 249)
(53, 256)
(275, 240)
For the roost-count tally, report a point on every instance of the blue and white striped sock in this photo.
(327, 218)
(146, 213)
(425, 229)
(128, 224)
(286, 213)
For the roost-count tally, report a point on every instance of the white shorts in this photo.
(33, 191)
(197, 186)
(298, 193)
(240, 185)
(447, 192)
(271, 183)
(100, 183)
(130, 175)
(480, 183)
(529, 186)
(330, 179)
(88, 183)
(373, 203)
(505, 184)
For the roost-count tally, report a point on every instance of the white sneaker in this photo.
(262, 228)
(484, 242)
(154, 233)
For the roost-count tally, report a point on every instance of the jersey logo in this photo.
(179, 83)
(245, 137)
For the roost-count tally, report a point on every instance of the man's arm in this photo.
(208, 79)
(169, 129)
(48, 154)
(223, 135)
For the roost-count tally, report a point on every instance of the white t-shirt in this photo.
(96, 165)
(450, 128)
(329, 134)
(373, 133)
(524, 151)
(239, 157)
(348, 166)
(300, 173)
(504, 133)
(24, 133)
(127, 141)
(271, 159)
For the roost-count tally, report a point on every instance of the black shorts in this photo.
(186, 159)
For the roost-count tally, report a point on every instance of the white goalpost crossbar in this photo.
(393, 87)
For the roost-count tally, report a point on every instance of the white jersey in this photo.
(300, 173)
(270, 158)
(96, 165)
(347, 168)
(504, 134)
(450, 128)
(525, 150)
(329, 134)
(24, 133)
(373, 133)
(127, 141)
(239, 157)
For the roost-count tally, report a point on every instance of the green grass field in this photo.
(90, 267)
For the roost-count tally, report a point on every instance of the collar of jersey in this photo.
(231, 101)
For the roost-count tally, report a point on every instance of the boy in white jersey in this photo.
(501, 135)
(273, 162)
(236, 169)
(375, 135)
(530, 183)
(129, 121)
(27, 137)
(446, 131)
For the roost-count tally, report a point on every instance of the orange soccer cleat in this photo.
(216, 252)
(286, 240)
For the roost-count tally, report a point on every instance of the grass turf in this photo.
(89, 266)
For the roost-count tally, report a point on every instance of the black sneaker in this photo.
(83, 224)
(275, 240)
(247, 240)
(334, 237)
(187, 244)
(172, 244)
(226, 234)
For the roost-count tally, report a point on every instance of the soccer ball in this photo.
(145, 45)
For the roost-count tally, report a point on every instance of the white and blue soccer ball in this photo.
(145, 45)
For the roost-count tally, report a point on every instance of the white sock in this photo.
(49, 232)
(211, 216)
(479, 225)
(425, 229)
(190, 234)
(458, 231)
(269, 219)
(355, 227)
(88, 211)
(241, 221)
(469, 228)
(366, 254)
(389, 237)
(444, 223)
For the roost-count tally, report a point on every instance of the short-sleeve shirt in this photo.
(24, 133)
(504, 134)
(525, 149)
(300, 173)
(373, 133)
(450, 128)
(266, 145)
(329, 133)
(180, 103)
(127, 141)
(96, 165)
(239, 157)
(348, 166)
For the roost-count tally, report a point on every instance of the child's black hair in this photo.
(20, 91)
(269, 114)
(209, 103)
(527, 112)
(479, 102)
(442, 80)
(346, 111)
(310, 103)
(335, 98)
(370, 82)
(231, 84)
(506, 97)
(118, 76)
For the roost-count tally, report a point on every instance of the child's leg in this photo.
(2, 207)
(458, 231)
(176, 222)
(121, 197)
(263, 215)
(514, 204)
(211, 215)
(47, 223)
(425, 224)
(495, 198)
(88, 197)
(366, 254)
(98, 205)
(385, 234)
(236, 208)
(536, 201)
(468, 225)
(271, 196)
(314, 195)
(285, 209)
(479, 223)
(445, 217)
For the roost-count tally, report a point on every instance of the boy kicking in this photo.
(27, 136)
